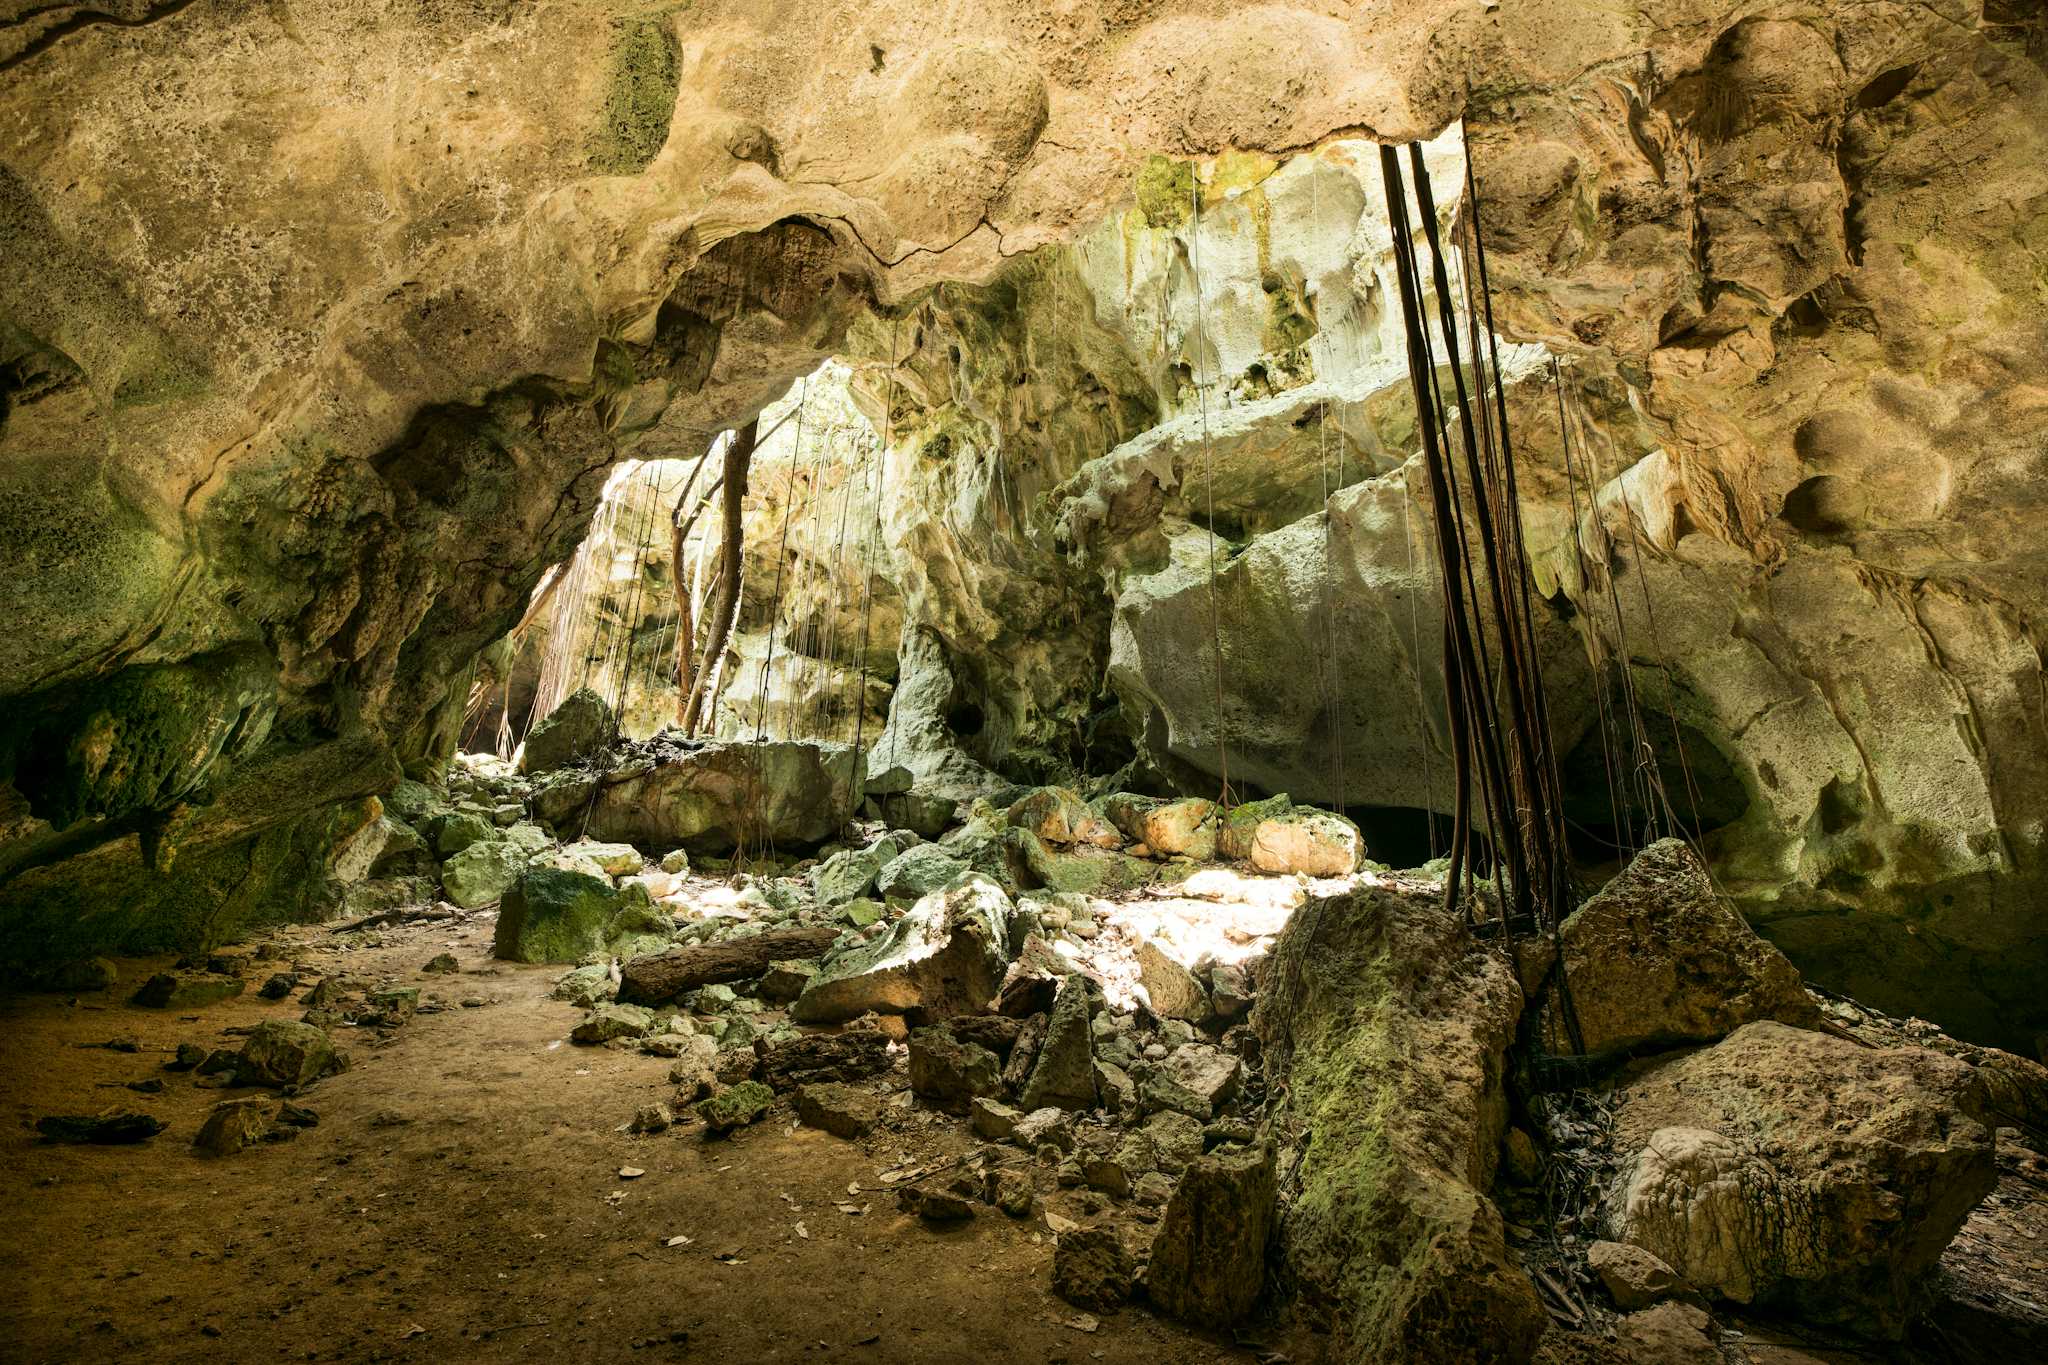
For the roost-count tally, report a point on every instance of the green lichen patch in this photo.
(640, 99)
(1166, 192)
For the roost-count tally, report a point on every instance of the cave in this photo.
(1143, 683)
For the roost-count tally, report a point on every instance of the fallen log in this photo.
(660, 977)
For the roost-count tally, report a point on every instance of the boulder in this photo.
(1209, 1255)
(1195, 1080)
(847, 875)
(1057, 815)
(577, 728)
(1385, 1026)
(951, 1073)
(553, 914)
(712, 799)
(1633, 1277)
(735, 1107)
(285, 1052)
(992, 1120)
(584, 987)
(1788, 1167)
(1091, 1268)
(481, 872)
(923, 814)
(1170, 988)
(612, 1021)
(1314, 843)
(785, 980)
(1083, 869)
(614, 860)
(457, 830)
(1186, 826)
(839, 1110)
(919, 871)
(1234, 835)
(235, 1124)
(187, 990)
(1658, 958)
(1063, 1075)
(945, 956)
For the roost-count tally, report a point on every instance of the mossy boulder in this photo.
(481, 872)
(553, 914)
(284, 1052)
(1234, 838)
(574, 730)
(735, 1107)
(1386, 1027)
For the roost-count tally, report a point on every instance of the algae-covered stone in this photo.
(187, 990)
(551, 914)
(459, 830)
(1063, 1077)
(1057, 815)
(1209, 1257)
(1386, 1026)
(1234, 839)
(1082, 870)
(614, 860)
(610, 1021)
(919, 872)
(576, 729)
(285, 1052)
(847, 874)
(840, 1110)
(735, 1107)
(1185, 826)
(949, 1072)
(586, 986)
(480, 873)
(1314, 843)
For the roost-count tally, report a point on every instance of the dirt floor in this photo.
(460, 1198)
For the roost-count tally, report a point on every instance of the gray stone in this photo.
(1194, 1080)
(576, 729)
(919, 871)
(1063, 1077)
(480, 873)
(1176, 1140)
(584, 987)
(284, 1052)
(846, 875)
(1209, 1257)
(458, 830)
(949, 1073)
(945, 956)
(839, 1110)
(1091, 1269)
(785, 981)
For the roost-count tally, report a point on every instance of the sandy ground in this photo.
(460, 1199)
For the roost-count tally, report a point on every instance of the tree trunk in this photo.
(725, 603)
(660, 977)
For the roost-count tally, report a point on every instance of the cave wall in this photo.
(322, 330)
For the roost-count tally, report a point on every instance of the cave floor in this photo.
(460, 1198)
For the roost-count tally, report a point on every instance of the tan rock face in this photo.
(309, 380)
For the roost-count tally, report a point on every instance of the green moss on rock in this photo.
(640, 99)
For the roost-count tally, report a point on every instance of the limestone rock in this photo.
(187, 990)
(552, 914)
(846, 875)
(576, 729)
(951, 1073)
(1057, 815)
(1633, 1277)
(285, 1052)
(945, 956)
(713, 798)
(1658, 958)
(736, 1107)
(919, 871)
(235, 1124)
(1196, 1080)
(608, 1022)
(614, 860)
(1670, 1334)
(1184, 826)
(1314, 843)
(992, 1120)
(1209, 1256)
(585, 986)
(1388, 1026)
(1091, 1269)
(1241, 825)
(457, 830)
(1063, 1076)
(1783, 1166)
(481, 872)
(1171, 988)
(927, 815)
(839, 1110)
